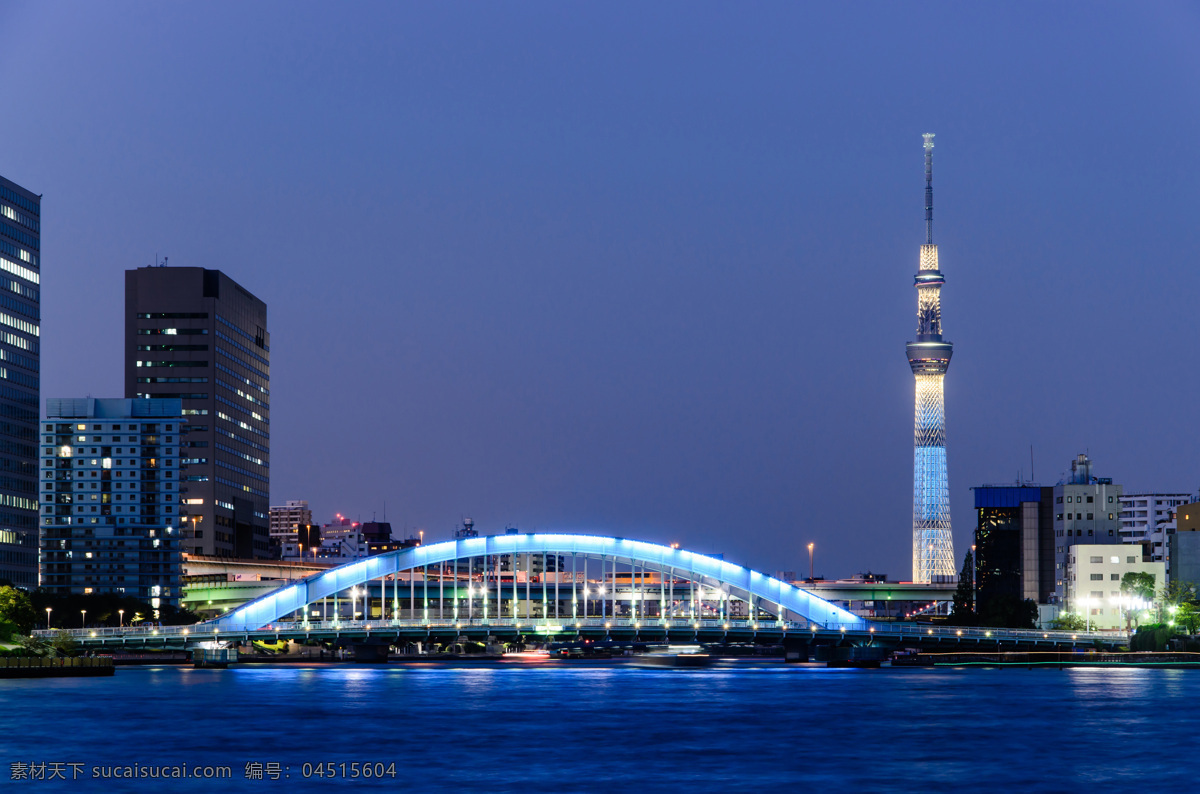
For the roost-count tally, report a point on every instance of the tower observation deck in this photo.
(929, 357)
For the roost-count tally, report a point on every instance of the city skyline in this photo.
(634, 332)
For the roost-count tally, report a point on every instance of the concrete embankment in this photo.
(44, 667)
(1051, 659)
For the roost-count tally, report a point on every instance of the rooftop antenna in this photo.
(928, 187)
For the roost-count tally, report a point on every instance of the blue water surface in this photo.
(548, 727)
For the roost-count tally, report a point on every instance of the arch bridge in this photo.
(542, 577)
(555, 585)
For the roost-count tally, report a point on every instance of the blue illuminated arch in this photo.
(290, 598)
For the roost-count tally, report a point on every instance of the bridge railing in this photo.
(199, 632)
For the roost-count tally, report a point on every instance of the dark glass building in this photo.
(1014, 544)
(20, 329)
(197, 335)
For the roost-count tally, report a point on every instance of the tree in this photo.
(964, 595)
(1068, 621)
(1139, 585)
(36, 646)
(64, 644)
(1140, 588)
(1188, 616)
(15, 607)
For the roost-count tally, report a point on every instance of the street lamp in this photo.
(48, 618)
(195, 520)
(83, 618)
(121, 618)
(810, 562)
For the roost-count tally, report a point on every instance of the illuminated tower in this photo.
(929, 357)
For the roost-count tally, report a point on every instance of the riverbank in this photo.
(60, 667)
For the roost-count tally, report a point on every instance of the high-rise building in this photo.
(929, 357)
(20, 328)
(111, 516)
(1149, 519)
(1014, 544)
(196, 335)
(1086, 512)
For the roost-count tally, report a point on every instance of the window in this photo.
(1110, 500)
(1098, 559)
(1097, 577)
(1089, 532)
(1110, 516)
(1058, 500)
(1058, 517)
(1116, 577)
(1131, 559)
(1113, 560)
(1089, 500)
(1089, 516)
(1079, 516)
(1069, 498)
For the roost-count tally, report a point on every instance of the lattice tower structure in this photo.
(929, 358)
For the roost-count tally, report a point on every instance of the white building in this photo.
(285, 523)
(1094, 573)
(1086, 512)
(1149, 518)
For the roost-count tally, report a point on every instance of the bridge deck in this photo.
(896, 634)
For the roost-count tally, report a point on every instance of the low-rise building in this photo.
(1094, 574)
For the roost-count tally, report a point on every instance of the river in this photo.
(561, 727)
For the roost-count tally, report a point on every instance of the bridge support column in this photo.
(795, 649)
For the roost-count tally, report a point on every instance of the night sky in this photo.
(640, 269)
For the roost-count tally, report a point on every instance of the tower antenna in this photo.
(928, 187)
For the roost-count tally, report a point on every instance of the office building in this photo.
(111, 514)
(1014, 544)
(196, 335)
(20, 329)
(1149, 519)
(1094, 573)
(1183, 562)
(1086, 511)
(929, 358)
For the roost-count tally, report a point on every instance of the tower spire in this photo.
(929, 357)
(928, 187)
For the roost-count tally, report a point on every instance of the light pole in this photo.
(810, 562)
(83, 618)
(1087, 612)
(48, 618)
(121, 618)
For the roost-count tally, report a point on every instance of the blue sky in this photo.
(640, 268)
